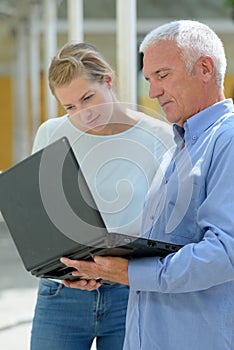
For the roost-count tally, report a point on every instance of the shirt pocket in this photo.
(181, 221)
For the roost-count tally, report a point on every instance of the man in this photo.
(186, 300)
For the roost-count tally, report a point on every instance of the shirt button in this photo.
(138, 292)
(152, 217)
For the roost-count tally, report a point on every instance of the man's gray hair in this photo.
(195, 40)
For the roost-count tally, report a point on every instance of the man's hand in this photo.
(109, 268)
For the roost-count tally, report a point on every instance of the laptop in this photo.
(50, 212)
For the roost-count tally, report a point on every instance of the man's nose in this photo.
(155, 90)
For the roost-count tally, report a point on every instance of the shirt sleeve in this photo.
(44, 134)
(40, 139)
(210, 262)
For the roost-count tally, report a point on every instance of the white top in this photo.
(118, 168)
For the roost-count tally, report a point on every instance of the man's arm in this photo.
(209, 262)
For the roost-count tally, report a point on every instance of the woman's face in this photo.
(88, 103)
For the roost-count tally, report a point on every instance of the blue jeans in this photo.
(69, 319)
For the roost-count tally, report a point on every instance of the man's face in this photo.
(179, 93)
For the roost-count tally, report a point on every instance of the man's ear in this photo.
(206, 67)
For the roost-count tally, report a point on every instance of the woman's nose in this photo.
(86, 113)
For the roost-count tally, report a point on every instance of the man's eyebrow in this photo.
(161, 70)
(158, 71)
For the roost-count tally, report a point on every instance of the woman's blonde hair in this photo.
(76, 59)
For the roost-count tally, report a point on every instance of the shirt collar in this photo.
(201, 121)
(178, 134)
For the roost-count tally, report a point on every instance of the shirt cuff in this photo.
(142, 273)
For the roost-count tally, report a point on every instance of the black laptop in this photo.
(50, 212)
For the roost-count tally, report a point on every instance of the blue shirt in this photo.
(186, 300)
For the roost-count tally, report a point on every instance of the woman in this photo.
(119, 151)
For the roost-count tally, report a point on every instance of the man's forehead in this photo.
(152, 60)
(160, 56)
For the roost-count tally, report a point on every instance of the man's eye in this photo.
(162, 76)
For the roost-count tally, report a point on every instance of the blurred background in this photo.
(31, 31)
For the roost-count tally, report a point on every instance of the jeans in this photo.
(69, 319)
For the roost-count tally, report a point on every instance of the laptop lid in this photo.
(50, 212)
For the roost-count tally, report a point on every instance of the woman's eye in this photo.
(87, 98)
(69, 108)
